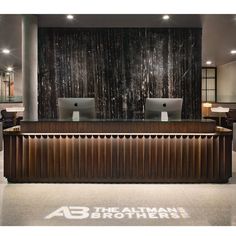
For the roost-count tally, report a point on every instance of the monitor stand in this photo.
(164, 116)
(75, 116)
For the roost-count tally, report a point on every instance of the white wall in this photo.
(226, 82)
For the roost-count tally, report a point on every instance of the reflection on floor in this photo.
(129, 204)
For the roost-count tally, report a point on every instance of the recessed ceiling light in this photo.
(9, 68)
(165, 17)
(208, 62)
(233, 51)
(5, 51)
(70, 17)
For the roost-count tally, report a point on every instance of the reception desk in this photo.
(110, 151)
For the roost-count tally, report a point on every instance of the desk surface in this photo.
(207, 120)
(118, 126)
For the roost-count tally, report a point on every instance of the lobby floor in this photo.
(126, 204)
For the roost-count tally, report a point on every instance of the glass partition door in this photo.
(6, 86)
(209, 84)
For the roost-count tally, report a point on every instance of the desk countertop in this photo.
(118, 126)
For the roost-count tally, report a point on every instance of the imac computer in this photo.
(76, 108)
(163, 108)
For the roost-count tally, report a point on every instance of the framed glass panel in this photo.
(6, 84)
(204, 95)
(210, 83)
(211, 95)
(211, 73)
(7, 88)
(204, 84)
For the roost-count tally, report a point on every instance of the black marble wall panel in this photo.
(120, 67)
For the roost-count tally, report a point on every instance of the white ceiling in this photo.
(10, 37)
(218, 35)
(218, 38)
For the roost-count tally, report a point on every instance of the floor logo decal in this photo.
(81, 212)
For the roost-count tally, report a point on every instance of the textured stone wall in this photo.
(120, 67)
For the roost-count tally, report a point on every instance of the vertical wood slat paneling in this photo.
(216, 164)
(191, 156)
(221, 154)
(95, 156)
(160, 157)
(102, 156)
(173, 169)
(153, 153)
(122, 156)
(60, 148)
(25, 157)
(165, 166)
(32, 161)
(89, 157)
(185, 156)
(204, 157)
(228, 153)
(43, 160)
(18, 158)
(109, 158)
(139, 157)
(82, 156)
(198, 157)
(147, 164)
(50, 157)
(134, 155)
(57, 156)
(13, 157)
(7, 166)
(114, 157)
(210, 158)
(178, 146)
(69, 157)
(128, 156)
(76, 157)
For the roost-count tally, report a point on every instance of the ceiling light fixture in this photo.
(233, 51)
(5, 51)
(9, 68)
(166, 17)
(208, 62)
(70, 17)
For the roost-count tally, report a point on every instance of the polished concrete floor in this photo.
(118, 204)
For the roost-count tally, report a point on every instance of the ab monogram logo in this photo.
(82, 212)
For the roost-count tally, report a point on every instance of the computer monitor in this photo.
(154, 107)
(85, 106)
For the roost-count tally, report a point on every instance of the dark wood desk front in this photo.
(118, 152)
